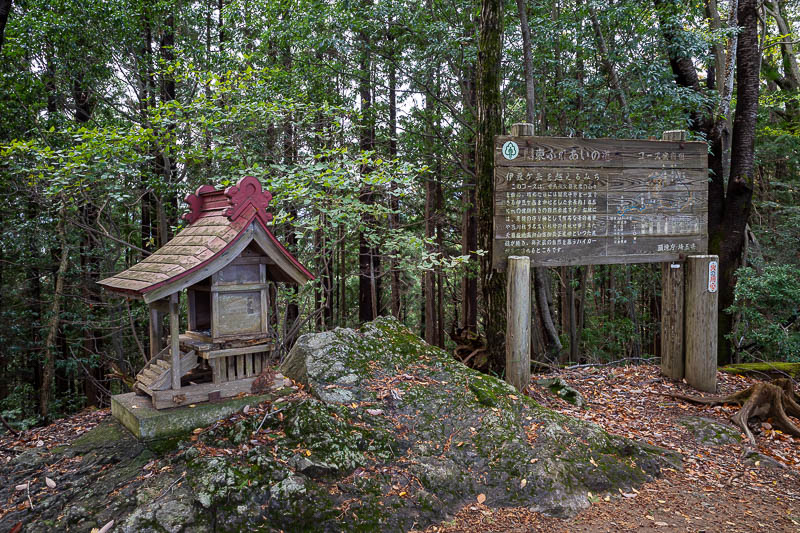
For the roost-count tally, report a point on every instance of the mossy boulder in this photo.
(466, 433)
(393, 434)
(559, 387)
(711, 432)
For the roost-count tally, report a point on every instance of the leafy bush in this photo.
(769, 306)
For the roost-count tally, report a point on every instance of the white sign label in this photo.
(510, 150)
(712, 276)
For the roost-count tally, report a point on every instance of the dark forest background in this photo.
(367, 120)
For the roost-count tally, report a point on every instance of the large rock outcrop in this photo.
(388, 434)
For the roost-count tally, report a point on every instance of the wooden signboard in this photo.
(564, 201)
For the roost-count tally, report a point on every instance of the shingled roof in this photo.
(221, 225)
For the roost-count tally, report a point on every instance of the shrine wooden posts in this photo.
(174, 332)
(157, 311)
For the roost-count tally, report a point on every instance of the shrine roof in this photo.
(221, 224)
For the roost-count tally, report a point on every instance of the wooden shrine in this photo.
(226, 260)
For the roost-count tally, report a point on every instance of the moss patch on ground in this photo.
(771, 369)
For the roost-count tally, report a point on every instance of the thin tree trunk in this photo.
(429, 276)
(440, 247)
(367, 256)
(469, 222)
(48, 364)
(394, 217)
(342, 280)
(630, 295)
(530, 87)
(289, 158)
(539, 273)
(555, 16)
(791, 71)
(571, 303)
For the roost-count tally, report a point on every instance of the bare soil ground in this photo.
(722, 488)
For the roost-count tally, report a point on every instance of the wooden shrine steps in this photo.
(157, 375)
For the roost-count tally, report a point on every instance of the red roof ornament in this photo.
(196, 202)
(246, 199)
(248, 193)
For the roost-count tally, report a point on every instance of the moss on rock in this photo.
(418, 436)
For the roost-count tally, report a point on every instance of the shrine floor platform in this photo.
(146, 423)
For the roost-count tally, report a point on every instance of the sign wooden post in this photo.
(672, 303)
(575, 201)
(518, 312)
(701, 321)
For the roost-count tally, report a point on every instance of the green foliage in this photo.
(271, 90)
(19, 407)
(769, 306)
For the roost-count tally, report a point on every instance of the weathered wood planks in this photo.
(564, 201)
(672, 302)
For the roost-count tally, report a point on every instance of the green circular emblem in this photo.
(510, 150)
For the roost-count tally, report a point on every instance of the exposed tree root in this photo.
(471, 349)
(776, 400)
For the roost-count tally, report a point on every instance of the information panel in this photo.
(564, 201)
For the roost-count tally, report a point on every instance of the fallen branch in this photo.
(8, 427)
(626, 360)
(272, 413)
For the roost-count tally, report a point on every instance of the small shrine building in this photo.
(225, 260)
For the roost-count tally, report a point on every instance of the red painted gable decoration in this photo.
(248, 193)
(241, 200)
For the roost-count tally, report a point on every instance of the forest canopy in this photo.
(361, 117)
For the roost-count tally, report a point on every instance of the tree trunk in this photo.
(543, 311)
(440, 246)
(738, 199)
(394, 217)
(490, 47)
(429, 275)
(530, 88)
(635, 351)
(5, 10)
(48, 364)
(368, 259)
(469, 221)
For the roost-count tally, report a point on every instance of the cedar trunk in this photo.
(490, 44)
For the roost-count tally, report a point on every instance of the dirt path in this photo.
(722, 487)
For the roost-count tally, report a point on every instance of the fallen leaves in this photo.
(481, 498)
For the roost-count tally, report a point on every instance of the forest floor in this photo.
(722, 487)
